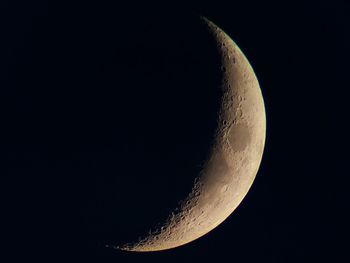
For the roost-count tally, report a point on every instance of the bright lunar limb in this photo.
(233, 161)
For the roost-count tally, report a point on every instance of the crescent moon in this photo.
(233, 160)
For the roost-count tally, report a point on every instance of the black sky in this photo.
(108, 110)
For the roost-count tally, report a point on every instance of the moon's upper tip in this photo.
(204, 19)
(208, 23)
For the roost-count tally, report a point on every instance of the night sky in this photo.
(108, 113)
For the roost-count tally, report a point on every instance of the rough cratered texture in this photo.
(234, 159)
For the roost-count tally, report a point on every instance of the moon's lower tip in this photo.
(128, 248)
(135, 248)
(125, 248)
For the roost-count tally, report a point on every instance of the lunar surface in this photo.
(233, 161)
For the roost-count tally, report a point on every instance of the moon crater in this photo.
(239, 136)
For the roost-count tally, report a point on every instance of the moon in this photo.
(234, 157)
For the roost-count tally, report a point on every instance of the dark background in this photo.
(108, 111)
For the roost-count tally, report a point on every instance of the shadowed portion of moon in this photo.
(233, 160)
